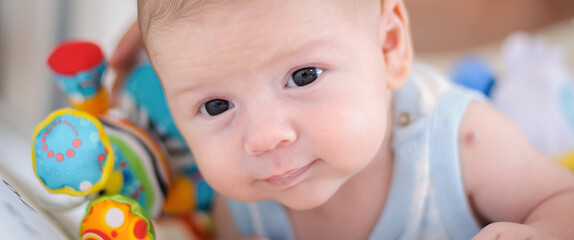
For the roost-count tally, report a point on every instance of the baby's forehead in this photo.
(192, 54)
(163, 12)
(258, 31)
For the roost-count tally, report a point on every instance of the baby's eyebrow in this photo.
(186, 79)
(315, 44)
(184, 84)
(176, 89)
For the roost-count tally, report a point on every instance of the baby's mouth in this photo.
(288, 178)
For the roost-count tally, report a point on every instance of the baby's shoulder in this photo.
(429, 93)
(504, 175)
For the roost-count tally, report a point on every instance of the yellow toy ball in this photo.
(567, 160)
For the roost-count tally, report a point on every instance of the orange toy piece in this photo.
(116, 217)
(181, 199)
(97, 105)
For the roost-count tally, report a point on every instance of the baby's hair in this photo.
(162, 12)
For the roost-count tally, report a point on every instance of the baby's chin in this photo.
(304, 202)
(306, 205)
(297, 203)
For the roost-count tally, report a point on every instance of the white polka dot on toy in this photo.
(94, 137)
(85, 185)
(114, 217)
(84, 122)
(76, 97)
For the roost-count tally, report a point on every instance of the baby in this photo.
(311, 121)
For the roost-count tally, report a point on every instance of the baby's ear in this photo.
(394, 34)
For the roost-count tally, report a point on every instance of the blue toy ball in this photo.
(473, 73)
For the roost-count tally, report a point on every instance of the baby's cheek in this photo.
(220, 170)
(361, 139)
(362, 128)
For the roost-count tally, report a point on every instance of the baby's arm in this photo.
(509, 181)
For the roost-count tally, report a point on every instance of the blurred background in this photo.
(29, 30)
(443, 31)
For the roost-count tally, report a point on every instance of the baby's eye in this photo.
(216, 107)
(304, 76)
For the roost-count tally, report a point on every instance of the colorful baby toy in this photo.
(116, 217)
(122, 169)
(78, 67)
(71, 153)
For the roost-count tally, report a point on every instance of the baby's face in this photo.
(277, 99)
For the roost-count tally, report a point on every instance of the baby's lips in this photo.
(287, 178)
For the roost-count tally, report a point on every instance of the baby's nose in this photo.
(267, 132)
